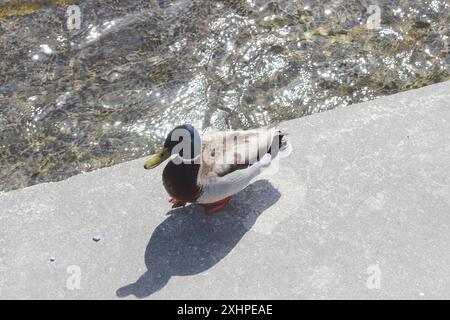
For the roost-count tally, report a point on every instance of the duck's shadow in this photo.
(189, 241)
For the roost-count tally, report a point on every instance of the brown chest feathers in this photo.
(180, 181)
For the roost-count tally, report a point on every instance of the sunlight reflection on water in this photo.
(72, 102)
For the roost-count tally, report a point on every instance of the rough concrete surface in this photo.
(360, 210)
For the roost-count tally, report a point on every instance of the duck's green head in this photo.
(183, 140)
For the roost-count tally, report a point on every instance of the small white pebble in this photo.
(52, 259)
(97, 238)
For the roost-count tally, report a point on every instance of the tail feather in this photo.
(283, 148)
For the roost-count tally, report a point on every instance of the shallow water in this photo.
(75, 100)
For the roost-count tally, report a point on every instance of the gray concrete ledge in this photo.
(365, 196)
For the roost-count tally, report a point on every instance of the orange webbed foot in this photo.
(216, 206)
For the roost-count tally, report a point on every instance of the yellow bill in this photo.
(158, 158)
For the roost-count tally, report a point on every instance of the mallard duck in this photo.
(210, 169)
